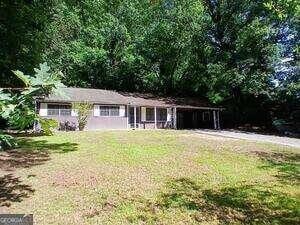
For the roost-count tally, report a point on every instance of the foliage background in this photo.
(242, 54)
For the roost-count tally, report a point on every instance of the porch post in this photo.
(36, 111)
(134, 117)
(215, 119)
(219, 127)
(174, 118)
(155, 118)
(128, 125)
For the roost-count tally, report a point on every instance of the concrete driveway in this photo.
(293, 142)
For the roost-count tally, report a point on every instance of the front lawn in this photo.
(150, 177)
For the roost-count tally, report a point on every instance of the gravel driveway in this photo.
(293, 142)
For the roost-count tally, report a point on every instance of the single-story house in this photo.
(120, 110)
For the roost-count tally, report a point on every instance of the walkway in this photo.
(293, 142)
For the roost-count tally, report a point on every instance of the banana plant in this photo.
(18, 108)
(42, 83)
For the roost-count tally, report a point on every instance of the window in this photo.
(161, 114)
(109, 111)
(206, 116)
(114, 111)
(65, 110)
(59, 110)
(53, 110)
(104, 111)
(149, 114)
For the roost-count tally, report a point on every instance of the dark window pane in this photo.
(65, 112)
(161, 114)
(65, 107)
(114, 111)
(149, 114)
(206, 116)
(104, 111)
(53, 106)
(53, 110)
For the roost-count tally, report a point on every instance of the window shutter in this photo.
(43, 109)
(74, 112)
(122, 110)
(143, 112)
(96, 110)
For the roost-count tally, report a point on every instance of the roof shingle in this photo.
(102, 96)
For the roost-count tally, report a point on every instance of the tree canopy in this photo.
(225, 50)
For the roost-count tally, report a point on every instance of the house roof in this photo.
(102, 96)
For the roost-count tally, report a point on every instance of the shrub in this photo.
(67, 126)
(48, 126)
(7, 141)
(83, 110)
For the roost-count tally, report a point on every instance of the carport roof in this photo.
(101, 96)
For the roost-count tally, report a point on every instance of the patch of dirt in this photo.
(66, 179)
(123, 181)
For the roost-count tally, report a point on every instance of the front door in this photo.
(131, 116)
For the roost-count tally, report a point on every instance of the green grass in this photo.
(150, 177)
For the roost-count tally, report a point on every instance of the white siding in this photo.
(143, 113)
(43, 109)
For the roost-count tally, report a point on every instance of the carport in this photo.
(196, 117)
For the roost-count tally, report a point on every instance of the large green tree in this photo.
(226, 50)
(22, 26)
